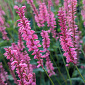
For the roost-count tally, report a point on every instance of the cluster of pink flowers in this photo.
(3, 75)
(70, 11)
(44, 15)
(41, 15)
(32, 41)
(21, 62)
(66, 40)
(72, 25)
(51, 23)
(66, 9)
(29, 36)
(2, 24)
(83, 12)
(46, 44)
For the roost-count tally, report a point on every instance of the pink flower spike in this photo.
(66, 40)
(2, 25)
(46, 45)
(29, 35)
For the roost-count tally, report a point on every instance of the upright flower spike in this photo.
(70, 11)
(51, 21)
(52, 24)
(29, 36)
(73, 25)
(2, 26)
(83, 12)
(20, 61)
(66, 8)
(37, 17)
(43, 13)
(46, 44)
(66, 40)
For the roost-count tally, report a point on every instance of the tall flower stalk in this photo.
(51, 20)
(21, 62)
(46, 44)
(66, 40)
(70, 11)
(29, 36)
(38, 19)
(2, 24)
(83, 12)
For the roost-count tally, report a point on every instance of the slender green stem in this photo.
(13, 12)
(83, 52)
(5, 62)
(48, 76)
(6, 65)
(65, 67)
(58, 70)
(33, 22)
(56, 78)
(56, 57)
(80, 73)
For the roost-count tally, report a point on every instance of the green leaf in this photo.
(76, 73)
(10, 77)
(84, 39)
(38, 69)
(76, 79)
